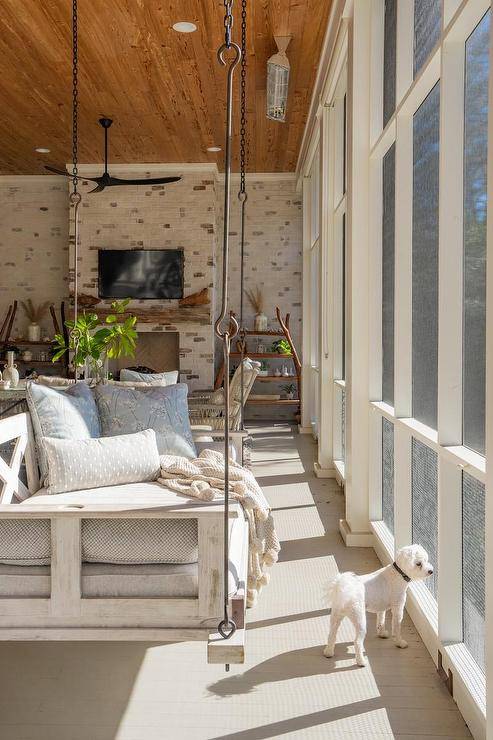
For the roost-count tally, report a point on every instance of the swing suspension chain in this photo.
(228, 22)
(75, 196)
(75, 93)
(242, 197)
(227, 627)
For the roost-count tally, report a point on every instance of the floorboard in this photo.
(287, 689)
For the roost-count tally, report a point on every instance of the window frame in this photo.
(439, 622)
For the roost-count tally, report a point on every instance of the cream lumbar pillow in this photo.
(75, 465)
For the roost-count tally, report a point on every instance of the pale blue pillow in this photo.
(62, 413)
(162, 408)
(168, 378)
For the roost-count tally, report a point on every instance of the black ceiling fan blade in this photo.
(100, 185)
(146, 181)
(68, 174)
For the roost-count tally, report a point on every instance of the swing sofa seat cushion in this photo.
(92, 463)
(147, 580)
(62, 413)
(125, 410)
(112, 540)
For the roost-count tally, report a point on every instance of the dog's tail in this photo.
(336, 586)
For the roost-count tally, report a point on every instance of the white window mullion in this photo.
(403, 267)
(402, 486)
(450, 272)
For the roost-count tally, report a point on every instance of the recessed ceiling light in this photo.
(42, 150)
(184, 27)
(213, 148)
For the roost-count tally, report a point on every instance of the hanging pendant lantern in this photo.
(278, 68)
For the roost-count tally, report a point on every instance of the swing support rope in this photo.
(227, 626)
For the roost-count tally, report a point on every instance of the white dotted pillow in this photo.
(74, 465)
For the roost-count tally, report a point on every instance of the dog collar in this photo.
(401, 572)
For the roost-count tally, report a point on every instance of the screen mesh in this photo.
(425, 505)
(388, 474)
(389, 52)
(473, 568)
(427, 28)
(426, 127)
(388, 271)
(475, 200)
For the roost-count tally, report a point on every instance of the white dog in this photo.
(351, 596)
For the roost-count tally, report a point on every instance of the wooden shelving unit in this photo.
(282, 333)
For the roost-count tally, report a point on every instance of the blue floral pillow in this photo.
(62, 413)
(162, 408)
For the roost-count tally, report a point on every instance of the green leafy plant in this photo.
(289, 388)
(282, 347)
(116, 336)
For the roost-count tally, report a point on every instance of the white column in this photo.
(324, 467)
(355, 528)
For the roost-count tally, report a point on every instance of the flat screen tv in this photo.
(140, 273)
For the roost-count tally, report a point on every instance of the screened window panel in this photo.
(475, 195)
(425, 506)
(426, 126)
(344, 143)
(314, 262)
(315, 197)
(389, 59)
(388, 275)
(388, 474)
(343, 301)
(473, 566)
(427, 29)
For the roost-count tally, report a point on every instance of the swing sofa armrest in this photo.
(203, 433)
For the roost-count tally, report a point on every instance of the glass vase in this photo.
(96, 370)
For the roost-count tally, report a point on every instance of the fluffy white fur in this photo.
(352, 596)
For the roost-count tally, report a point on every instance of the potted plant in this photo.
(289, 390)
(281, 346)
(34, 315)
(256, 300)
(92, 346)
(264, 370)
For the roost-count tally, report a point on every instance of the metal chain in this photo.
(75, 93)
(242, 196)
(227, 626)
(75, 196)
(243, 119)
(228, 22)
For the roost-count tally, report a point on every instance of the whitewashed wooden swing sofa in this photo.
(70, 596)
(65, 599)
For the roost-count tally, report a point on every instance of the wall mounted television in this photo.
(140, 273)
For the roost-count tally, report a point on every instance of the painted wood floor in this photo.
(287, 689)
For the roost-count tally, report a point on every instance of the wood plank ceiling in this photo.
(165, 90)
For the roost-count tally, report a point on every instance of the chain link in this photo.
(243, 119)
(228, 22)
(75, 93)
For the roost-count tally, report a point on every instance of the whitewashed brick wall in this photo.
(33, 244)
(34, 256)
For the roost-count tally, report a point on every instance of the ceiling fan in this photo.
(105, 180)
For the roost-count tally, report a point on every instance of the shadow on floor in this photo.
(283, 667)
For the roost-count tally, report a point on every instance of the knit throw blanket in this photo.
(203, 478)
